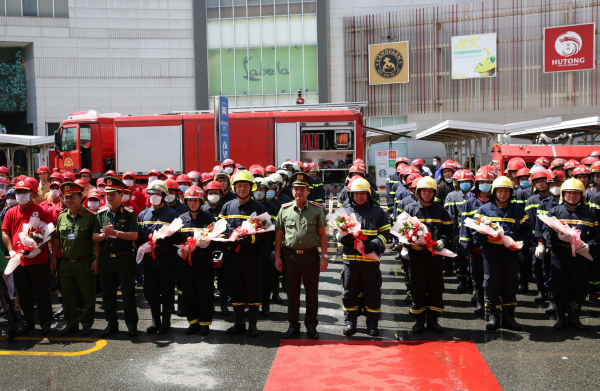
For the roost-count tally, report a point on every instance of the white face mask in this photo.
(152, 178)
(155, 199)
(214, 198)
(259, 195)
(10, 202)
(94, 205)
(54, 193)
(170, 198)
(126, 197)
(229, 170)
(23, 198)
(555, 191)
(128, 182)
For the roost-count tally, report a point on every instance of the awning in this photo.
(451, 131)
(10, 143)
(388, 133)
(590, 125)
(16, 139)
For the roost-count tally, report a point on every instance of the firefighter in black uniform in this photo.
(426, 271)
(445, 182)
(283, 186)
(242, 257)
(159, 272)
(318, 190)
(522, 194)
(391, 180)
(225, 180)
(197, 267)
(501, 264)
(569, 277)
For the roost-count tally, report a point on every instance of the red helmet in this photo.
(23, 184)
(228, 162)
(543, 161)
(57, 175)
(56, 183)
(557, 163)
(100, 181)
(194, 192)
(401, 160)
(418, 162)
(410, 170)
(169, 171)
(80, 182)
(465, 175)
(581, 169)
(358, 161)
(214, 185)
(4, 170)
(94, 194)
(484, 175)
(448, 164)
(4, 181)
(153, 172)
(172, 184)
(85, 171)
(217, 168)
(595, 154)
(544, 174)
(69, 176)
(400, 167)
(515, 165)
(194, 175)
(129, 173)
(456, 174)
(588, 161)
(356, 169)
(595, 167)
(43, 169)
(412, 179)
(557, 176)
(206, 176)
(256, 170)
(237, 165)
(270, 169)
(111, 173)
(183, 178)
(522, 172)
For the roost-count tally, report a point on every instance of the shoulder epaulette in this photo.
(315, 203)
(63, 211)
(103, 209)
(128, 209)
(91, 211)
(288, 204)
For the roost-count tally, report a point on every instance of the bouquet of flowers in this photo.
(577, 245)
(485, 226)
(252, 226)
(409, 230)
(348, 224)
(33, 235)
(201, 238)
(162, 233)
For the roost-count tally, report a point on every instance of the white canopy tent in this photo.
(11, 143)
(590, 125)
(372, 136)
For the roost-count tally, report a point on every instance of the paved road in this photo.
(538, 358)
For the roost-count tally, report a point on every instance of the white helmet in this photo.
(296, 166)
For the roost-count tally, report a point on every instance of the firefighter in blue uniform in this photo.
(283, 186)
(466, 246)
(391, 180)
(224, 179)
(159, 272)
(353, 172)
(444, 182)
(426, 271)
(568, 282)
(318, 190)
(197, 267)
(522, 194)
(362, 275)
(242, 258)
(501, 264)
(402, 189)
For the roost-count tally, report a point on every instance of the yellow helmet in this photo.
(158, 185)
(572, 184)
(243, 176)
(502, 181)
(359, 184)
(427, 183)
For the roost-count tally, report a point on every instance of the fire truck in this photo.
(502, 154)
(329, 134)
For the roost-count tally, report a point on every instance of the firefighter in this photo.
(454, 205)
(583, 174)
(228, 166)
(467, 248)
(224, 178)
(86, 176)
(184, 183)
(558, 164)
(44, 174)
(521, 195)
(275, 181)
(93, 200)
(569, 274)
(4, 173)
(525, 190)
(195, 178)
(213, 206)
(136, 192)
(426, 271)
(400, 188)
(374, 189)
(444, 182)
(501, 264)
(281, 196)
(592, 191)
(242, 258)
(588, 161)
(391, 180)
(270, 170)
(53, 192)
(419, 164)
(356, 171)
(542, 252)
(362, 274)
(570, 165)
(257, 171)
(197, 267)
(172, 199)
(543, 161)
(159, 270)
(318, 190)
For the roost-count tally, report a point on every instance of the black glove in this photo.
(162, 242)
(347, 240)
(370, 247)
(246, 239)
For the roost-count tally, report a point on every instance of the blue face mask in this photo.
(270, 194)
(465, 186)
(485, 187)
(183, 188)
(525, 184)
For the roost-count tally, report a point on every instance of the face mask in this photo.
(10, 202)
(183, 188)
(152, 178)
(128, 182)
(155, 199)
(435, 163)
(102, 190)
(94, 205)
(194, 182)
(126, 197)
(170, 198)
(448, 179)
(23, 198)
(259, 195)
(555, 191)
(485, 188)
(54, 193)
(214, 198)
(229, 170)
(465, 186)
(270, 194)
(525, 184)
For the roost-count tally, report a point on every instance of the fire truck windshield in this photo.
(69, 139)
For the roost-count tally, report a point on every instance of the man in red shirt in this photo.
(33, 277)
(137, 195)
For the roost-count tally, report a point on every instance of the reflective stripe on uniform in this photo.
(233, 217)
(152, 222)
(373, 310)
(351, 308)
(358, 258)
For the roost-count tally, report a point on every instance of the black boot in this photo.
(462, 285)
(574, 317)
(561, 322)
(253, 320)
(432, 322)
(474, 297)
(480, 301)
(551, 310)
(494, 319)
(508, 318)
(240, 324)
(192, 329)
(276, 298)
(224, 309)
(156, 323)
(419, 325)
(165, 327)
(266, 307)
(180, 305)
(542, 295)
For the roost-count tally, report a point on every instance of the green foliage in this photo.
(13, 96)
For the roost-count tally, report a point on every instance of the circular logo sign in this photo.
(568, 44)
(389, 63)
(382, 173)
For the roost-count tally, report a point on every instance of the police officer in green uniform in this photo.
(300, 229)
(116, 232)
(79, 265)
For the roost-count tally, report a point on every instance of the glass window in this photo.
(213, 34)
(282, 56)
(257, 71)
(375, 122)
(226, 33)
(254, 34)
(297, 68)
(30, 8)
(269, 86)
(310, 68)
(295, 29)
(52, 127)
(241, 32)
(227, 71)
(268, 31)
(244, 70)
(282, 29)
(69, 139)
(400, 120)
(256, 100)
(387, 121)
(85, 136)
(46, 8)
(13, 7)
(61, 8)
(310, 7)
(310, 29)
(295, 8)
(212, 9)
(2, 7)
(214, 71)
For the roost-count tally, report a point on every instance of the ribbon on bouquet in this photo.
(21, 249)
(576, 241)
(152, 244)
(359, 243)
(429, 243)
(188, 243)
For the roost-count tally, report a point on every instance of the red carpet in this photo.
(379, 365)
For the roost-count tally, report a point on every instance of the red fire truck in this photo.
(330, 134)
(502, 154)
